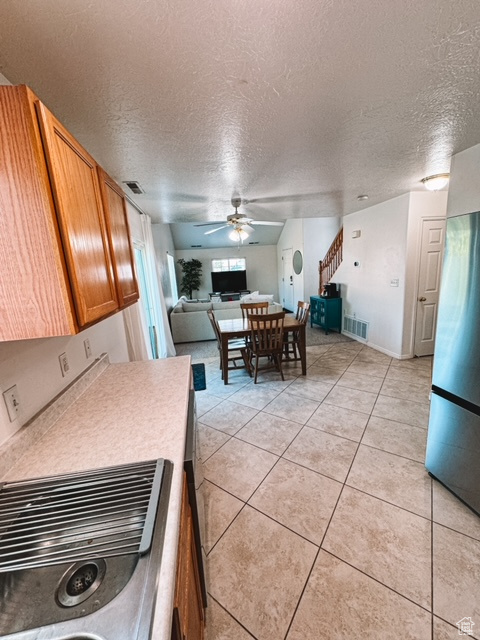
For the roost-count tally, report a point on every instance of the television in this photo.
(223, 281)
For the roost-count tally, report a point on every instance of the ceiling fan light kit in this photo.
(238, 234)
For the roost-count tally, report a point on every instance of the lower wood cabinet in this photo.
(188, 614)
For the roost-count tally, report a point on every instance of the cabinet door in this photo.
(323, 313)
(119, 236)
(314, 310)
(76, 192)
(188, 618)
(34, 291)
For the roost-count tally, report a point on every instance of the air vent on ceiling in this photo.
(195, 246)
(354, 327)
(253, 243)
(134, 186)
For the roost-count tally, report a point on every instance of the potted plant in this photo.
(192, 272)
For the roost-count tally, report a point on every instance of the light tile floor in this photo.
(322, 522)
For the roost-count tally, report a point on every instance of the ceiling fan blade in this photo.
(294, 197)
(247, 227)
(217, 229)
(267, 222)
(206, 224)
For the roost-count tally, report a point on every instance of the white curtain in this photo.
(166, 347)
(138, 340)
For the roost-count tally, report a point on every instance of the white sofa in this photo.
(190, 323)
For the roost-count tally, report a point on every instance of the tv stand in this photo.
(229, 296)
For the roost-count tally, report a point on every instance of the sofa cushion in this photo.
(234, 304)
(196, 306)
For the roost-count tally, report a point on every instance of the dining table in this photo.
(239, 328)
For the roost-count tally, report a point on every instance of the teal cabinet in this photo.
(326, 313)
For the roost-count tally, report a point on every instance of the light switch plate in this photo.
(64, 366)
(12, 400)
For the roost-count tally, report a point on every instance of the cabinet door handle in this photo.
(422, 299)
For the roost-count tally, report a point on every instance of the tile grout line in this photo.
(399, 455)
(344, 483)
(321, 542)
(245, 503)
(392, 504)
(233, 617)
(230, 523)
(386, 586)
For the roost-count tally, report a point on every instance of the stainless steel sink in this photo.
(79, 553)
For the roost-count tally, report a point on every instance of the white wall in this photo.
(387, 250)
(318, 235)
(33, 366)
(464, 189)
(261, 267)
(380, 252)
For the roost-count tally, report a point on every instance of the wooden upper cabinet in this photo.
(34, 292)
(60, 270)
(116, 218)
(76, 192)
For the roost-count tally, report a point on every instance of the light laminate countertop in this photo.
(127, 412)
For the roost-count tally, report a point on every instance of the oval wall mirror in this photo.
(297, 262)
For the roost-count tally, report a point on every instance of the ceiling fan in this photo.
(241, 224)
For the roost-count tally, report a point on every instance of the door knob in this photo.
(422, 299)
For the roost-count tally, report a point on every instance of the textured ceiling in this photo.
(301, 106)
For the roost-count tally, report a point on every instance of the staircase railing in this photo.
(331, 261)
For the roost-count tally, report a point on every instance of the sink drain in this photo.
(80, 581)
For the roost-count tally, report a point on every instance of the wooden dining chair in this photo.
(253, 307)
(266, 340)
(291, 340)
(236, 347)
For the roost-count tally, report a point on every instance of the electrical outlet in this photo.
(88, 348)
(64, 366)
(12, 400)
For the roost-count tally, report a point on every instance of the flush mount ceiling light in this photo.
(436, 182)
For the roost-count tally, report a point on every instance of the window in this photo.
(229, 264)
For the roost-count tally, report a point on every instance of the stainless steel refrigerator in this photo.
(453, 445)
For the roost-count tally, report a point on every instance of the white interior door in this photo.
(287, 279)
(431, 260)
